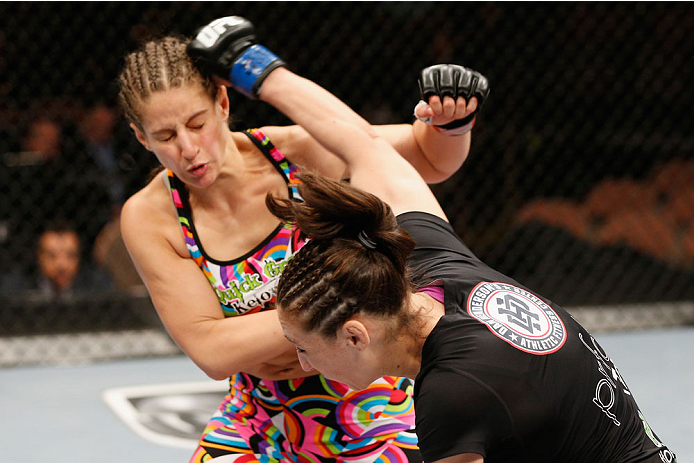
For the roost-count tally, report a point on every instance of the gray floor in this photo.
(58, 414)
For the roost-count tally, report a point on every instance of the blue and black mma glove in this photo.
(227, 47)
(454, 81)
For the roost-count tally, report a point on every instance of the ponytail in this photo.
(356, 260)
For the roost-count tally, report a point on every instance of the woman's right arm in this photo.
(373, 163)
(185, 301)
(227, 47)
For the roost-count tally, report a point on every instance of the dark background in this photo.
(582, 94)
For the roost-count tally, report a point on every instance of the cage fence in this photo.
(579, 184)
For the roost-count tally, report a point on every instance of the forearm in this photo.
(327, 119)
(235, 344)
(435, 156)
(446, 154)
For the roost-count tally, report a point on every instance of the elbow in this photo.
(439, 174)
(217, 375)
(216, 372)
(435, 176)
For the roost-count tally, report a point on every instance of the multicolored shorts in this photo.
(311, 420)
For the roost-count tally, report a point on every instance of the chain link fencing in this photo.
(580, 181)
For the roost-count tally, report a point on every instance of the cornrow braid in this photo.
(154, 66)
(169, 54)
(299, 281)
(335, 276)
(140, 74)
(158, 65)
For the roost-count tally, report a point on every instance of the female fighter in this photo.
(386, 287)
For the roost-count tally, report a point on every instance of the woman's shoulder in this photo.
(150, 205)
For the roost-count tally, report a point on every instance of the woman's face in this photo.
(185, 129)
(346, 358)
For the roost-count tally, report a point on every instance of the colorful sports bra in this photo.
(245, 284)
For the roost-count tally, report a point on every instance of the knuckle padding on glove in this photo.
(447, 84)
(427, 86)
(481, 90)
(465, 84)
(453, 80)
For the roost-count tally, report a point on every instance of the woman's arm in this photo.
(187, 305)
(373, 163)
(226, 47)
(436, 148)
(435, 156)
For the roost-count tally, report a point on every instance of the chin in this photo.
(352, 386)
(360, 386)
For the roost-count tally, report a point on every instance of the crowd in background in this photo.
(585, 140)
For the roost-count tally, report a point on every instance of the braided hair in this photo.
(338, 274)
(158, 65)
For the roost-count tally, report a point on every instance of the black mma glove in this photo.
(227, 48)
(454, 81)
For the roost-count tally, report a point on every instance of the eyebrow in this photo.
(292, 341)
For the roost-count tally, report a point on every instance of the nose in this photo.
(188, 148)
(305, 365)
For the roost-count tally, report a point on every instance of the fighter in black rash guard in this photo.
(511, 376)
(500, 374)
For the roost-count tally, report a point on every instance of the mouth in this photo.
(199, 169)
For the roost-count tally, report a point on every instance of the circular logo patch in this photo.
(518, 317)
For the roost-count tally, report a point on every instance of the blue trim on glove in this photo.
(248, 67)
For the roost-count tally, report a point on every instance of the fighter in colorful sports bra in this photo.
(309, 419)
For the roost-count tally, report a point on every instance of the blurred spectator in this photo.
(48, 182)
(24, 203)
(97, 132)
(42, 140)
(59, 272)
(643, 230)
(58, 259)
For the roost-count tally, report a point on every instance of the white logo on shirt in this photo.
(518, 317)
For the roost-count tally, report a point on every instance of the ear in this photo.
(223, 100)
(355, 334)
(140, 136)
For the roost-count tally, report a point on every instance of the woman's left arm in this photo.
(435, 156)
(436, 144)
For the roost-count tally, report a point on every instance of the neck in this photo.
(406, 350)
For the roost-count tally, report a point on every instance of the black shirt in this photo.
(511, 376)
